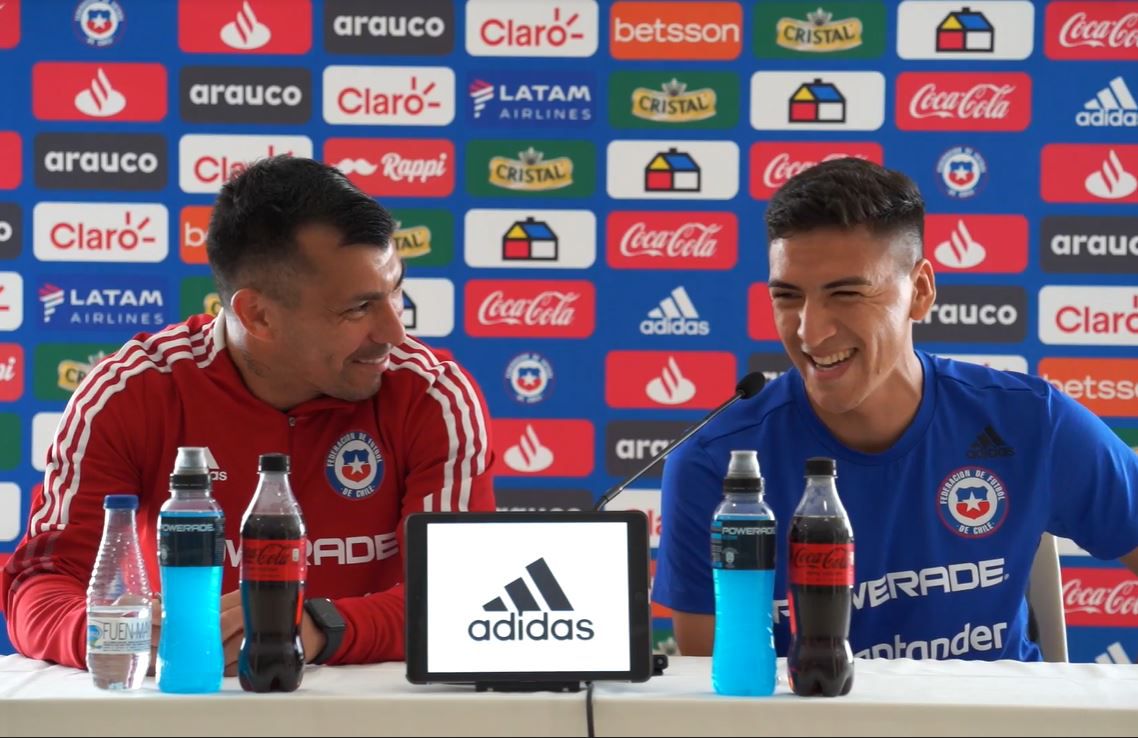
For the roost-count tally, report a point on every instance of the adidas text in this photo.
(675, 327)
(1104, 118)
(517, 628)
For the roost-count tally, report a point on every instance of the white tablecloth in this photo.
(901, 697)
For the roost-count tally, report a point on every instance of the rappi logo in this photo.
(389, 96)
(100, 231)
(676, 30)
(245, 26)
(530, 308)
(672, 240)
(774, 162)
(963, 101)
(668, 379)
(206, 162)
(544, 448)
(193, 224)
(1100, 597)
(1088, 315)
(395, 167)
(1102, 173)
(509, 28)
(12, 372)
(105, 91)
(977, 243)
(1092, 30)
(10, 154)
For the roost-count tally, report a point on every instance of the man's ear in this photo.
(256, 311)
(924, 289)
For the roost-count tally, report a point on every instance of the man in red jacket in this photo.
(308, 357)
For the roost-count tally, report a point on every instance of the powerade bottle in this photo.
(191, 544)
(742, 561)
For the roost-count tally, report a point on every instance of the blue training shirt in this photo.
(946, 522)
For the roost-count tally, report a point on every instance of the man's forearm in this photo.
(47, 619)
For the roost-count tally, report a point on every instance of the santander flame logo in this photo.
(781, 168)
(982, 101)
(549, 308)
(960, 251)
(528, 454)
(1121, 599)
(245, 32)
(688, 240)
(100, 99)
(671, 387)
(1111, 181)
(1120, 33)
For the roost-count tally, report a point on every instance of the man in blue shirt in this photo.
(950, 472)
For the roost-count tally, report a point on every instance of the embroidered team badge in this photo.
(354, 466)
(972, 502)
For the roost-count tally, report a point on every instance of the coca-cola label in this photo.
(672, 240)
(191, 540)
(395, 167)
(1092, 30)
(1100, 597)
(963, 101)
(530, 309)
(273, 560)
(742, 543)
(822, 564)
(775, 162)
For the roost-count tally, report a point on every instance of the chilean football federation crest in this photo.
(99, 22)
(962, 171)
(529, 377)
(972, 502)
(354, 466)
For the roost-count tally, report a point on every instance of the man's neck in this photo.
(885, 415)
(261, 379)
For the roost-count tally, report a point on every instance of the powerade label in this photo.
(191, 540)
(822, 564)
(118, 630)
(273, 560)
(742, 543)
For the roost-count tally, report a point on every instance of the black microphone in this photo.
(748, 386)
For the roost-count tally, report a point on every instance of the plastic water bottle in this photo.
(743, 565)
(191, 547)
(118, 602)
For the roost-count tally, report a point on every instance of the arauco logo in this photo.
(530, 619)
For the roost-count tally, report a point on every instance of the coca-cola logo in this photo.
(781, 168)
(1118, 33)
(398, 168)
(273, 554)
(1120, 599)
(549, 308)
(834, 559)
(982, 100)
(689, 240)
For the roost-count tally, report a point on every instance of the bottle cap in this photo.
(191, 468)
(821, 466)
(273, 463)
(120, 502)
(743, 473)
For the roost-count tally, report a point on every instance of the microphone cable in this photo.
(589, 709)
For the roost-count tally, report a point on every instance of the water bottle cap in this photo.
(743, 464)
(120, 502)
(273, 463)
(191, 460)
(821, 466)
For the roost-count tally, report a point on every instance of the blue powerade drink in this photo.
(191, 546)
(743, 566)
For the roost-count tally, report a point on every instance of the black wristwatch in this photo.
(329, 621)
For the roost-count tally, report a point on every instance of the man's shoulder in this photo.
(749, 419)
(161, 356)
(418, 367)
(987, 384)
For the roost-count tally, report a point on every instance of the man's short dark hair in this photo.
(252, 234)
(846, 194)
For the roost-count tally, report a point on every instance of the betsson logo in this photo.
(677, 30)
(518, 626)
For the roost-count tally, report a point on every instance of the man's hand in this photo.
(232, 629)
(311, 637)
(155, 631)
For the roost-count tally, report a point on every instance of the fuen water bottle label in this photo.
(114, 630)
(822, 564)
(742, 543)
(273, 560)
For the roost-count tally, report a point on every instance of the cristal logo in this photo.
(1111, 181)
(548, 308)
(781, 168)
(985, 100)
(245, 32)
(1120, 33)
(519, 624)
(528, 454)
(562, 28)
(690, 240)
(100, 99)
(960, 251)
(671, 387)
(1121, 599)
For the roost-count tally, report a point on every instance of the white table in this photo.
(901, 697)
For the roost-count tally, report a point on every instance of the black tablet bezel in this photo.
(639, 607)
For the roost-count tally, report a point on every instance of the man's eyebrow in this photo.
(776, 284)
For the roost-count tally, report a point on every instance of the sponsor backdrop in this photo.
(580, 186)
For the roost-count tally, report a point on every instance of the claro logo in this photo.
(389, 27)
(206, 162)
(399, 96)
(101, 161)
(245, 94)
(968, 313)
(509, 28)
(104, 231)
(1090, 315)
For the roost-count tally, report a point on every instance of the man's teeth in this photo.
(832, 359)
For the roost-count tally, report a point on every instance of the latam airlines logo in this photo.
(100, 161)
(963, 101)
(977, 243)
(389, 96)
(100, 232)
(389, 27)
(1112, 106)
(544, 239)
(548, 448)
(245, 94)
(395, 167)
(969, 30)
(1103, 173)
(206, 162)
(119, 303)
(672, 240)
(526, 99)
(675, 315)
(245, 26)
(679, 379)
(1092, 30)
(520, 624)
(508, 28)
(107, 91)
(530, 308)
(773, 163)
(1092, 315)
(817, 101)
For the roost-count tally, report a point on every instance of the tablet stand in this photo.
(527, 686)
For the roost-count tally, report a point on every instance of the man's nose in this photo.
(388, 327)
(815, 324)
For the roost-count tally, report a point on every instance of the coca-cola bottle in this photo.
(273, 543)
(820, 587)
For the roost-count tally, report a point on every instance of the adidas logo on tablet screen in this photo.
(529, 619)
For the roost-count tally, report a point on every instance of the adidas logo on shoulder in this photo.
(989, 445)
(675, 316)
(1112, 107)
(519, 623)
